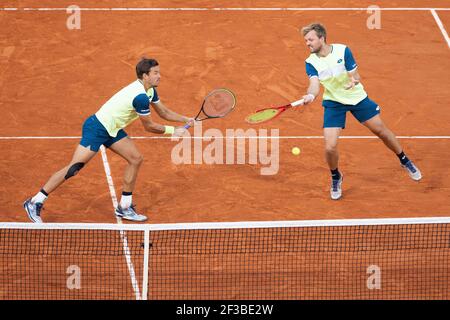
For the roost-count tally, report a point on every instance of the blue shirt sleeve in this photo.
(350, 63)
(155, 96)
(141, 104)
(310, 70)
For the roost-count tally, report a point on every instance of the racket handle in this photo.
(297, 103)
(187, 126)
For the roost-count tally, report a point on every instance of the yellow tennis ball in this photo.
(295, 151)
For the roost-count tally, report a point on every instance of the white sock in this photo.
(39, 198)
(125, 201)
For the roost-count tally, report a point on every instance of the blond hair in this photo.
(318, 28)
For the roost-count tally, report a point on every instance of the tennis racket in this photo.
(266, 114)
(217, 104)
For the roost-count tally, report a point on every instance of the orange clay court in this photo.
(53, 78)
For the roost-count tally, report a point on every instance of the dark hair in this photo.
(318, 28)
(144, 66)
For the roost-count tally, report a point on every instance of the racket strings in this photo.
(219, 103)
(263, 115)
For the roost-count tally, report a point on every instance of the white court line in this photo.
(224, 9)
(226, 137)
(112, 190)
(441, 26)
(123, 235)
(146, 264)
(225, 225)
(292, 137)
(42, 137)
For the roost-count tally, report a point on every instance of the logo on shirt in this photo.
(339, 61)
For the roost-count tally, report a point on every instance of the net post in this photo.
(146, 264)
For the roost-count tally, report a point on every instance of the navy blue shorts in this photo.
(334, 116)
(95, 134)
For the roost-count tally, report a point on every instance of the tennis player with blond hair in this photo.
(333, 66)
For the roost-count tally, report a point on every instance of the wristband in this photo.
(169, 129)
(312, 96)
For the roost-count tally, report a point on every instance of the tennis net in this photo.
(322, 259)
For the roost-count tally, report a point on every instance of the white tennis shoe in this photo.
(336, 188)
(413, 171)
(33, 210)
(130, 214)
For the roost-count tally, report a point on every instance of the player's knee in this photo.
(380, 131)
(136, 160)
(74, 169)
(331, 148)
(376, 129)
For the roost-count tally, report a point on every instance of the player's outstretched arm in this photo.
(168, 114)
(154, 127)
(313, 90)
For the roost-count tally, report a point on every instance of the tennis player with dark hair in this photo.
(333, 66)
(106, 128)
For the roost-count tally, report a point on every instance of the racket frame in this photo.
(187, 126)
(281, 108)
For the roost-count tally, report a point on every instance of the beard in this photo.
(315, 50)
